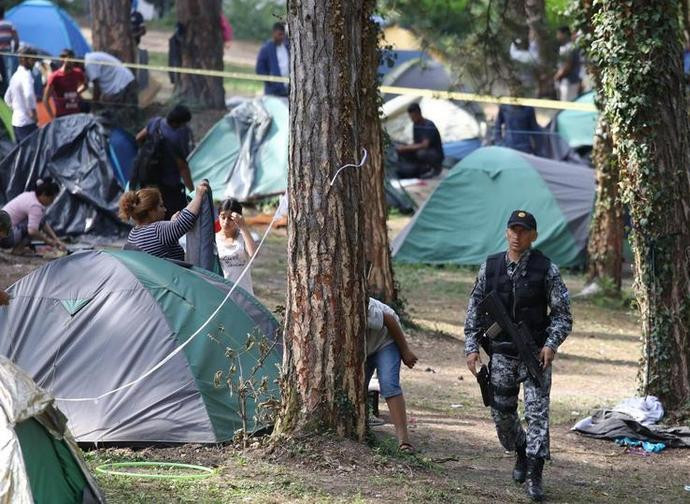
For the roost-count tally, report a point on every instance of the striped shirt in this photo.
(161, 238)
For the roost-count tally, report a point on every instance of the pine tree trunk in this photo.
(111, 28)
(202, 47)
(380, 282)
(323, 362)
(535, 11)
(605, 247)
(642, 76)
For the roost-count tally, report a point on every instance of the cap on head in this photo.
(523, 219)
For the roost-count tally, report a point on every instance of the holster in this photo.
(484, 380)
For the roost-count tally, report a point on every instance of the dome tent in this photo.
(464, 219)
(40, 462)
(576, 126)
(48, 28)
(91, 322)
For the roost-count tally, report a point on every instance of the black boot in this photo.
(535, 466)
(520, 469)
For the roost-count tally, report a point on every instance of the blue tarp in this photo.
(45, 26)
(458, 150)
(122, 149)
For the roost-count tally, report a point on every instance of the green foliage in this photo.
(254, 19)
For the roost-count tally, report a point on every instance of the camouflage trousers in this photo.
(506, 375)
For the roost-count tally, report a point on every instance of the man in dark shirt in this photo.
(424, 156)
(175, 173)
(516, 127)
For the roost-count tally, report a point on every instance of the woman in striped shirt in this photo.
(152, 234)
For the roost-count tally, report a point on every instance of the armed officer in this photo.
(532, 291)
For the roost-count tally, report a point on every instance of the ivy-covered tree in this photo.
(638, 49)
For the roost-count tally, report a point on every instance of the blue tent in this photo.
(45, 26)
(122, 149)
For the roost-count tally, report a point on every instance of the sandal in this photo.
(406, 448)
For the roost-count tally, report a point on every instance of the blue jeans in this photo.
(386, 362)
(21, 132)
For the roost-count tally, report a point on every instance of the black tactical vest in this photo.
(526, 299)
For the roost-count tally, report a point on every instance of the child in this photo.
(386, 347)
(235, 243)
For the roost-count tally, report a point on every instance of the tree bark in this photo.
(380, 281)
(642, 75)
(535, 12)
(202, 47)
(323, 360)
(605, 247)
(111, 28)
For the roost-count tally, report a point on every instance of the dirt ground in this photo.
(459, 457)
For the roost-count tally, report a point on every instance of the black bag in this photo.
(148, 164)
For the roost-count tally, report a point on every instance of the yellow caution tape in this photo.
(430, 93)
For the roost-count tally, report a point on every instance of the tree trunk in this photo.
(605, 247)
(380, 281)
(111, 28)
(202, 47)
(642, 75)
(535, 11)
(323, 360)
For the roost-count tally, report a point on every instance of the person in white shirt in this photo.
(21, 97)
(114, 87)
(235, 244)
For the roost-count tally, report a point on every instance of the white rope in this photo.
(279, 211)
(361, 163)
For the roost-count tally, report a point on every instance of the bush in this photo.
(253, 19)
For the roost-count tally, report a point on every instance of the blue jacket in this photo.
(267, 64)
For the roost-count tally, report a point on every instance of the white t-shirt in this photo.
(377, 333)
(20, 97)
(283, 60)
(112, 77)
(233, 259)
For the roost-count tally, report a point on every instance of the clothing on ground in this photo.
(233, 259)
(386, 363)
(377, 332)
(21, 98)
(161, 238)
(645, 445)
(64, 86)
(558, 300)
(506, 375)
(112, 76)
(646, 410)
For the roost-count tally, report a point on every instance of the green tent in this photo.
(96, 321)
(6, 118)
(464, 219)
(40, 462)
(577, 126)
(245, 154)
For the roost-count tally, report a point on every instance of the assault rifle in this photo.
(492, 307)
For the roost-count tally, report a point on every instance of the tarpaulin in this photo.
(73, 150)
(201, 239)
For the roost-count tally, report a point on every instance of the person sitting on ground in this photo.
(27, 212)
(386, 346)
(174, 171)
(424, 156)
(235, 243)
(64, 86)
(151, 233)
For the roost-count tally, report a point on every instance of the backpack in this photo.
(148, 164)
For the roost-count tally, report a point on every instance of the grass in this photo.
(232, 86)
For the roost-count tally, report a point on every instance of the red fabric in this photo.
(226, 28)
(216, 226)
(65, 87)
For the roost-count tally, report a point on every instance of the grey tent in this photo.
(93, 322)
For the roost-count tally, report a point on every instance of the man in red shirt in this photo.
(64, 87)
